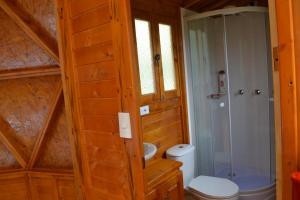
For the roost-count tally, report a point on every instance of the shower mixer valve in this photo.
(258, 92)
(241, 92)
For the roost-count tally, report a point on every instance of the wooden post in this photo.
(288, 93)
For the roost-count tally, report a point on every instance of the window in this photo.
(156, 58)
(167, 56)
(145, 56)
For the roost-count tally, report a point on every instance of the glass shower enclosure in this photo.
(229, 74)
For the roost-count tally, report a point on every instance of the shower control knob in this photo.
(241, 92)
(258, 92)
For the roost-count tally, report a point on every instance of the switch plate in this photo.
(144, 110)
(124, 125)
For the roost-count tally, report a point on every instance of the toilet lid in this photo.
(214, 187)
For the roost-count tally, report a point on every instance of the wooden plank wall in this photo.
(37, 186)
(165, 126)
(95, 42)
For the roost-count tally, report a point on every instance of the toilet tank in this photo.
(185, 154)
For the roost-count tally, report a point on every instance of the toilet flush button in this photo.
(222, 104)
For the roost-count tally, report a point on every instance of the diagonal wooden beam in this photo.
(32, 28)
(41, 137)
(30, 72)
(7, 138)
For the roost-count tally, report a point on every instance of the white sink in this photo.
(149, 150)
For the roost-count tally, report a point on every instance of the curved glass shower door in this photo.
(211, 104)
(248, 66)
(230, 80)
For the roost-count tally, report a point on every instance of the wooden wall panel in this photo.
(37, 186)
(24, 105)
(47, 186)
(43, 188)
(78, 7)
(17, 50)
(92, 29)
(85, 21)
(164, 129)
(100, 141)
(102, 71)
(14, 188)
(158, 7)
(99, 34)
(56, 151)
(66, 188)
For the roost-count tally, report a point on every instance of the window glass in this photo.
(167, 55)
(145, 56)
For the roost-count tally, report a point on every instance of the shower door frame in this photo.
(276, 79)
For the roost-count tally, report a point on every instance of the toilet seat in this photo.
(214, 188)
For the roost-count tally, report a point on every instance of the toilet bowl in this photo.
(201, 187)
(212, 188)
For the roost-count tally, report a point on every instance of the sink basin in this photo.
(149, 150)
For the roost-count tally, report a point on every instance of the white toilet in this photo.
(202, 187)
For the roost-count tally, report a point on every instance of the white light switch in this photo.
(124, 125)
(144, 110)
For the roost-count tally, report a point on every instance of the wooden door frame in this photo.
(285, 75)
(296, 8)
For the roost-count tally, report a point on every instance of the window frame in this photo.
(172, 23)
(160, 93)
(148, 98)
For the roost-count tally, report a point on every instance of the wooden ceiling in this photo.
(33, 128)
(28, 38)
(207, 5)
(35, 153)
